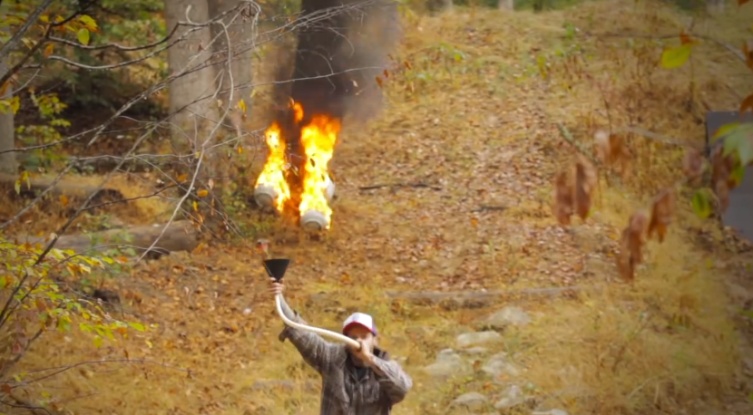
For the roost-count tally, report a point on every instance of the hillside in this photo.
(450, 190)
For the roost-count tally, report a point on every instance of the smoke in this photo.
(339, 54)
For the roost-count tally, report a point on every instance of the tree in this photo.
(192, 91)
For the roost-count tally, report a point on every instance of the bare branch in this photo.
(13, 42)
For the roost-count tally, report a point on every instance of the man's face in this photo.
(361, 333)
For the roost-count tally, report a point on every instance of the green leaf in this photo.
(676, 57)
(737, 174)
(701, 203)
(740, 139)
(83, 36)
(137, 326)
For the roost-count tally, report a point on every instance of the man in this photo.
(354, 382)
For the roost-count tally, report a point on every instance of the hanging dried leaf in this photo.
(721, 189)
(692, 165)
(661, 214)
(612, 150)
(631, 245)
(563, 198)
(585, 183)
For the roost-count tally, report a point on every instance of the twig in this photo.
(567, 136)
(400, 185)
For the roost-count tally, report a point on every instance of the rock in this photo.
(498, 365)
(448, 363)
(550, 412)
(476, 350)
(480, 337)
(513, 396)
(473, 401)
(508, 316)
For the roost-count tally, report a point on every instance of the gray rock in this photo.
(508, 316)
(480, 337)
(476, 350)
(498, 364)
(550, 412)
(512, 397)
(472, 400)
(448, 363)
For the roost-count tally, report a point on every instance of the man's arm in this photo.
(392, 378)
(315, 350)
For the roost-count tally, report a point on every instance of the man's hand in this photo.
(276, 287)
(364, 354)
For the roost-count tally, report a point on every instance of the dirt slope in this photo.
(470, 144)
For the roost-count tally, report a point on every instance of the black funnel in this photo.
(276, 267)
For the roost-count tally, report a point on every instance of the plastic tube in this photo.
(327, 333)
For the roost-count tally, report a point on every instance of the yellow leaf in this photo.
(89, 22)
(676, 57)
(63, 200)
(48, 50)
(202, 193)
(195, 206)
(83, 36)
(239, 149)
(242, 105)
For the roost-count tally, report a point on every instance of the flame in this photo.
(273, 173)
(318, 139)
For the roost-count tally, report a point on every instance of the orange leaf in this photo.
(48, 50)
(741, 2)
(182, 178)
(563, 198)
(661, 214)
(685, 38)
(64, 200)
(631, 244)
(748, 53)
(474, 222)
(379, 81)
(202, 193)
(746, 104)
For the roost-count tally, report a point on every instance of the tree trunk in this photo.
(8, 162)
(506, 5)
(191, 101)
(235, 76)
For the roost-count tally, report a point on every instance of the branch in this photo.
(401, 185)
(13, 42)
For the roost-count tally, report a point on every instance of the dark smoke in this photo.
(340, 50)
(348, 50)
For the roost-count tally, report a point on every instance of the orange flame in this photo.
(318, 139)
(273, 173)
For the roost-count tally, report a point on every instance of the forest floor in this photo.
(466, 149)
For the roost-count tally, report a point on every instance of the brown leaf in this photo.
(611, 150)
(721, 189)
(662, 210)
(747, 104)
(748, 54)
(692, 165)
(563, 198)
(585, 183)
(631, 245)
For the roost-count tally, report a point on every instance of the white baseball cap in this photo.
(360, 319)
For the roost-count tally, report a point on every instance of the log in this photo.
(179, 236)
(73, 190)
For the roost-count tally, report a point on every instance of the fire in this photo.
(317, 141)
(273, 174)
